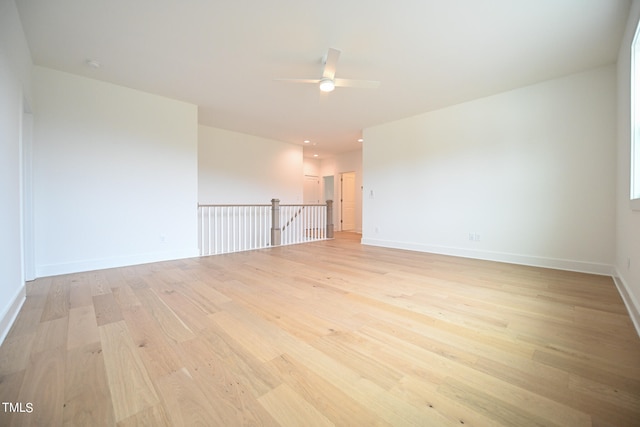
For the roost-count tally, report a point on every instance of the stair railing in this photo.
(232, 228)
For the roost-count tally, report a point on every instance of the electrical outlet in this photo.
(476, 237)
(472, 236)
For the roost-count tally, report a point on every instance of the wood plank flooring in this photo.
(326, 333)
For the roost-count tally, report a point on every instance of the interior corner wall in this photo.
(526, 176)
(15, 88)
(627, 272)
(236, 168)
(115, 175)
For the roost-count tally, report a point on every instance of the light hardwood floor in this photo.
(327, 333)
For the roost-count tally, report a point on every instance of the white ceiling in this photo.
(224, 55)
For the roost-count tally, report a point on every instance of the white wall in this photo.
(115, 175)
(628, 221)
(530, 171)
(14, 47)
(311, 167)
(15, 71)
(342, 163)
(235, 168)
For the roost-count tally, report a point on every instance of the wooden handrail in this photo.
(295, 215)
(306, 204)
(230, 205)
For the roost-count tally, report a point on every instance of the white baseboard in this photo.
(114, 262)
(633, 307)
(11, 312)
(534, 261)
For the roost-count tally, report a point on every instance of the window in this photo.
(635, 121)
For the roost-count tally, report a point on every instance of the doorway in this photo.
(348, 201)
(328, 187)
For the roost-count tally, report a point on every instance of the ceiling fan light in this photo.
(327, 85)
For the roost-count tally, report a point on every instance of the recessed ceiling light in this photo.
(315, 155)
(306, 141)
(360, 139)
(92, 63)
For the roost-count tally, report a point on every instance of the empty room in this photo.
(423, 213)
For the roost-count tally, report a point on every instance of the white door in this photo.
(311, 191)
(348, 201)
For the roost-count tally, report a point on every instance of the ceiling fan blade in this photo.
(330, 63)
(364, 84)
(316, 81)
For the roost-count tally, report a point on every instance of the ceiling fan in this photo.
(328, 81)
